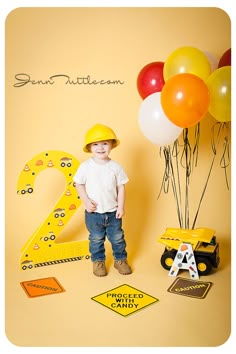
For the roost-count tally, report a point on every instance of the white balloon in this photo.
(154, 124)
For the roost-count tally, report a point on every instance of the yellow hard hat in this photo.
(99, 132)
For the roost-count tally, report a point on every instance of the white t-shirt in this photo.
(101, 181)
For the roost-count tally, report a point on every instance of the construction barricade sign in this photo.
(40, 287)
(191, 288)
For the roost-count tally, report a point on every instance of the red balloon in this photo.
(150, 79)
(225, 60)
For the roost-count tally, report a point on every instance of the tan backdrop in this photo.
(107, 44)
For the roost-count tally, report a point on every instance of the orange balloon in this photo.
(185, 99)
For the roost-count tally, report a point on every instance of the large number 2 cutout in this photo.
(41, 248)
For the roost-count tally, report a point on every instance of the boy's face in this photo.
(101, 149)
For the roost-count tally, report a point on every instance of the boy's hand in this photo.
(91, 206)
(119, 213)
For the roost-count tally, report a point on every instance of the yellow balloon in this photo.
(187, 60)
(219, 85)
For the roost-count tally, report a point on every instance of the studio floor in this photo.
(72, 319)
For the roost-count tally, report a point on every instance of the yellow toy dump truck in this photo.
(204, 245)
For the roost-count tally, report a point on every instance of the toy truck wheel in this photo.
(203, 265)
(167, 259)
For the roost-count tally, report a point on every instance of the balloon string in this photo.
(225, 159)
(196, 145)
(217, 126)
(170, 175)
(223, 163)
(186, 163)
(186, 154)
(203, 192)
(188, 160)
(175, 153)
(166, 175)
(216, 134)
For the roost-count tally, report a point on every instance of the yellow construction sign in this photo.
(41, 248)
(125, 300)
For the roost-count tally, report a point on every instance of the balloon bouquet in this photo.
(176, 95)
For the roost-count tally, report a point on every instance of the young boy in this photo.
(100, 183)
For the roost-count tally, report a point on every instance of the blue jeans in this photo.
(101, 226)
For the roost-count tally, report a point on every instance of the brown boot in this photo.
(123, 267)
(99, 269)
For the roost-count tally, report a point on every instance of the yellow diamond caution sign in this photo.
(125, 300)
